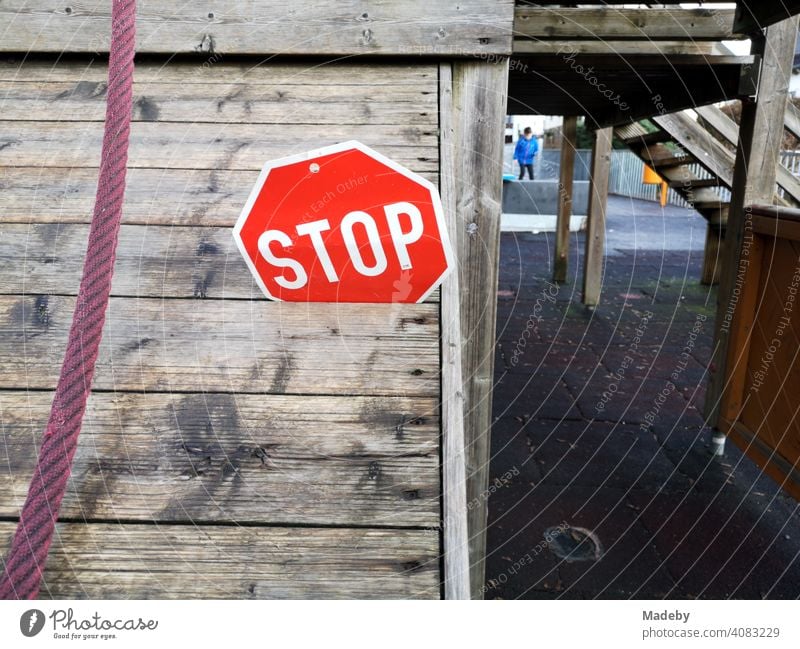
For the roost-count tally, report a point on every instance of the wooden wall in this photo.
(759, 408)
(233, 447)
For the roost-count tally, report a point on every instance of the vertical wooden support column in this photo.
(472, 109)
(754, 174)
(712, 254)
(454, 470)
(596, 219)
(564, 214)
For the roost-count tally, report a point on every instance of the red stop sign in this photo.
(344, 224)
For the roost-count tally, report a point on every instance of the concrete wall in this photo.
(541, 197)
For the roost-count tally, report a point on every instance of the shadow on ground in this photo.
(598, 428)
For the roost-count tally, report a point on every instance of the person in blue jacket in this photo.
(527, 148)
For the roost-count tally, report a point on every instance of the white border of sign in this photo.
(436, 202)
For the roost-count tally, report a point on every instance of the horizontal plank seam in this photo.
(233, 524)
(404, 393)
(147, 296)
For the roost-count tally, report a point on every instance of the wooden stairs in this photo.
(697, 162)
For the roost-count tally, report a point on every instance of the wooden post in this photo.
(712, 254)
(596, 219)
(754, 176)
(564, 210)
(454, 471)
(472, 159)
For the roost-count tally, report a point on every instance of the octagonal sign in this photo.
(344, 224)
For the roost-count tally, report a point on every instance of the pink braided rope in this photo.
(28, 553)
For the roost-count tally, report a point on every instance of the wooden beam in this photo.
(754, 15)
(626, 48)
(700, 144)
(454, 470)
(472, 144)
(755, 174)
(729, 130)
(303, 27)
(564, 213)
(712, 253)
(569, 23)
(596, 220)
(612, 89)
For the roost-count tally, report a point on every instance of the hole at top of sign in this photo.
(313, 168)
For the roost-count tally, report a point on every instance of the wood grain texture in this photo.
(770, 405)
(229, 409)
(601, 23)
(339, 27)
(206, 146)
(231, 346)
(151, 261)
(596, 219)
(759, 407)
(564, 209)
(561, 47)
(712, 252)
(729, 130)
(476, 149)
(454, 469)
(218, 562)
(221, 102)
(218, 70)
(700, 144)
(200, 197)
(237, 459)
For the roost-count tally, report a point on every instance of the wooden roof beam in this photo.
(620, 47)
(754, 15)
(615, 90)
(593, 24)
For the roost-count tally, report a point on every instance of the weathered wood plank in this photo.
(601, 23)
(222, 562)
(755, 173)
(151, 261)
(196, 197)
(454, 469)
(206, 146)
(267, 27)
(237, 458)
(643, 47)
(479, 91)
(700, 144)
(231, 346)
(218, 70)
(226, 103)
(729, 130)
(564, 214)
(712, 252)
(596, 220)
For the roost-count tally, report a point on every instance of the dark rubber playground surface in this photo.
(599, 442)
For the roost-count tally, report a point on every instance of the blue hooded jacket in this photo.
(526, 150)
